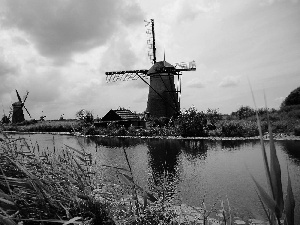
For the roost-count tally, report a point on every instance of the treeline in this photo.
(195, 123)
(190, 123)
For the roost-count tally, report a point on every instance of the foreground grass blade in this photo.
(72, 220)
(264, 207)
(289, 204)
(129, 181)
(266, 198)
(275, 171)
(264, 154)
(6, 221)
(6, 201)
(64, 222)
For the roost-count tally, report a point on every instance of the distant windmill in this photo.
(164, 95)
(18, 115)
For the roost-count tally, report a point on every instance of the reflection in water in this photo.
(114, 142)
(163, 160)
(292, 148)
(233, 144)
(195, 149)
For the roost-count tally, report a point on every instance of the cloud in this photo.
(271, 2)
(196, 83)
(7, 74)
(6, 68)
(60, 29)
(229, 81)
(141, 99)
(185, 11)
(279, 99)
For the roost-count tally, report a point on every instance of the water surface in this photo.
(192, 170)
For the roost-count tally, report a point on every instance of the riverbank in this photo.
(190, 123)
(277, 137)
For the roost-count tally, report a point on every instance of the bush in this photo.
(244, 112)
(289, 108)
(5, 119)
(193, 123)
(85, 116)
(297, 130)
(239, 129)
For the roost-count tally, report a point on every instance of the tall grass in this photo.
(45, 187)
(272, 200)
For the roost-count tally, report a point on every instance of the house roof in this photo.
(126, 114)
(120, 114)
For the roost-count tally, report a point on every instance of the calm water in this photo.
(196, 170)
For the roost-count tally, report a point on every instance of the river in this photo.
(192, 170)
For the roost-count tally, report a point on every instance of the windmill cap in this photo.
(16, 104)
(159, 67)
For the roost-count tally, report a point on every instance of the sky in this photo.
(59, 51)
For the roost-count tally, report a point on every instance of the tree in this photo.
(292, 99)
(5, 119)
(193, 123)
(244, 112)
(85, 116)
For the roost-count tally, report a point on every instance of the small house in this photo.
(122, 117)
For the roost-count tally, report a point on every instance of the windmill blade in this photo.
(19, 98)
(125, 75)
(27, 111)
(27, 92)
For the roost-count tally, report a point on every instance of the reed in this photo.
(272, 200)
(39, 186)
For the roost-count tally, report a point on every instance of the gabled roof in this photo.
(120, 114)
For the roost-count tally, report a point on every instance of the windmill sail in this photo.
(19, 98)
(125, 75)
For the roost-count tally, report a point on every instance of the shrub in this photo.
(244, 112)
(193, 123)
(5, 119)
(239, 129)
(297, 130)
(85, 116)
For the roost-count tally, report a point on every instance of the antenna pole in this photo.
(153, 39)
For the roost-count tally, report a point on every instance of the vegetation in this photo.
(190, 123)
(38, 186)
(292, 99)
(44, 126)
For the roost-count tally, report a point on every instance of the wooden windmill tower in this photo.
(165, 80)
(18, 115)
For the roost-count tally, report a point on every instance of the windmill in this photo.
(165, 80)
(18, 115)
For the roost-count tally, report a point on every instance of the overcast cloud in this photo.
(59, 28)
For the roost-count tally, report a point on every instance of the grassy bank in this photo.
(190, 123)
(44, 126)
